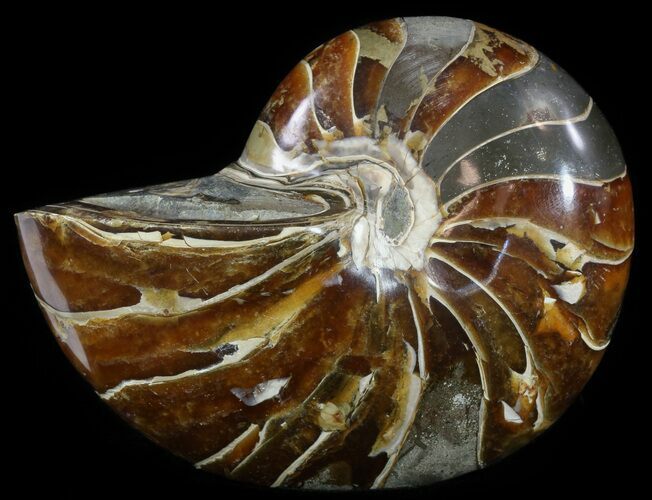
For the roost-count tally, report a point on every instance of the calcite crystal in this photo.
(410, 272)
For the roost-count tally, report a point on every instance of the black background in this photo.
(104, 100)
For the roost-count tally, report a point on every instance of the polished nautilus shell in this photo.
(410, 272)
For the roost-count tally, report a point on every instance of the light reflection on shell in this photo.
(411, 271)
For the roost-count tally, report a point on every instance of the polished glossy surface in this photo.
(411, 271)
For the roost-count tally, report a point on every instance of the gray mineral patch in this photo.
(443, 440)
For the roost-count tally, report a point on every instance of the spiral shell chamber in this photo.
(411, 271)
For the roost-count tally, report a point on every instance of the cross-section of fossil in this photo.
(412, 269)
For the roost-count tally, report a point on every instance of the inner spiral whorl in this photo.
(397, 204)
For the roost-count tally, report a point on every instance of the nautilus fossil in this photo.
(410, 272)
